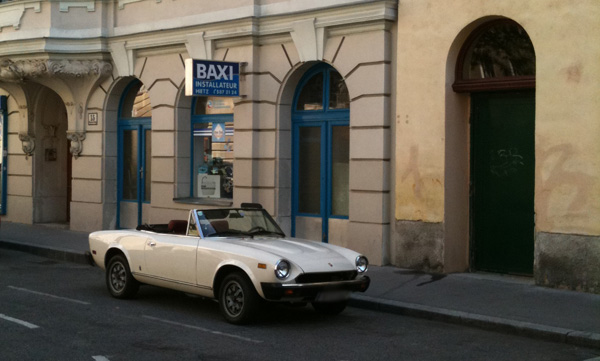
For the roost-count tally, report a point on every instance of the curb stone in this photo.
(48, 252)
(521, 328)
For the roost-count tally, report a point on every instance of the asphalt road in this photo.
(52, 310)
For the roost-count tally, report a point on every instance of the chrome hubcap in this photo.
(117, 277)
(234, 298)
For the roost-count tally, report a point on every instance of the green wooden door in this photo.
(503, 181)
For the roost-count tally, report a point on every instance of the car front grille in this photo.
(326, 277)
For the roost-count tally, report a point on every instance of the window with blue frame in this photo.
(212, 148)
(135, 144)
(321, 149)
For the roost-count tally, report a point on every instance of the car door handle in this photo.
(151, 243)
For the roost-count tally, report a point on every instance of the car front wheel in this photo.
(119, 280)
(238, 299)
(329, 308)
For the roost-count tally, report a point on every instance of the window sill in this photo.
(222, 202)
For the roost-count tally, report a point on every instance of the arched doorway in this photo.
(320, 153)
(52, 165)
(496, 66)
(134, 165)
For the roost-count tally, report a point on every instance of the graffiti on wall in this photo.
(504, 162)
(564, 192)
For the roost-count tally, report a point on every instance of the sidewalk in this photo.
(494, 302)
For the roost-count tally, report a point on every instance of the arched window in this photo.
(498, 56)
(320, 151)
(135, 102)
(322, 91)
(134, 155)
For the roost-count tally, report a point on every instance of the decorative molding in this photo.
(259, 21)
(65, 5)
(17, 71)
(28, 144)
(76, 139)
(308, 39)
(123, 58)
(198, 47)
(75, 112)
(122, 3)
(267, 23)
(11, 14)
(78, 68)
(75, 43)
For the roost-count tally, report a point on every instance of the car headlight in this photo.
(282, 269)
(362, 264)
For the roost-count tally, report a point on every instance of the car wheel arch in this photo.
(226, 270)
(114, 251)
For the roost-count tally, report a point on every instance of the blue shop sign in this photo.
(212, 78)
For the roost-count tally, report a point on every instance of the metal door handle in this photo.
(151, 243)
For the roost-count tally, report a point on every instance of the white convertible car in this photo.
(237, 256)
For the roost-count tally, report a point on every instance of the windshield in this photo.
(242, 222)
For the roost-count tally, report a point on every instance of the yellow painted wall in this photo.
(565, 36)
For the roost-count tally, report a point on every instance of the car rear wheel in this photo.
(119, 280)
(238, 299)
(330, 308)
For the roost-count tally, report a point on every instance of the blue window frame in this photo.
(212, 148)
(320, 147)
(134, 144)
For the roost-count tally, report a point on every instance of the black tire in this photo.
(238, 300)
(330, 308)
(119, 280)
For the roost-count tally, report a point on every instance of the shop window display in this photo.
(212, 148)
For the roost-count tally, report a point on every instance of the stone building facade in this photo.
(404, 130)
(438, 136)
(101, 134)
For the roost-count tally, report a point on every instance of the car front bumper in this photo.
(310, 291)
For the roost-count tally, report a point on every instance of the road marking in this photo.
(49, 295)
(100, 358)
(20, 322)
(219, 333)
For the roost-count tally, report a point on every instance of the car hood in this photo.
(309, 255)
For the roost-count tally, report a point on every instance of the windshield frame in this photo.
(205, 229)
